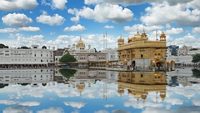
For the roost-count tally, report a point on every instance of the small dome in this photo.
(80, 44)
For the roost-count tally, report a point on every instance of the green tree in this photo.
(196, 73)
(3, 46)
(67, 73)
(196, 58)
(67, 58)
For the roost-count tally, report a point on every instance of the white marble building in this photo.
(31, 56)
(87, 56)
(184, 56)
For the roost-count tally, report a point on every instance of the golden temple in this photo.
(142, 53)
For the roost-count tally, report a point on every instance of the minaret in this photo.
(120, 41)
(162, 37)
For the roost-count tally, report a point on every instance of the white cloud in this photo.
(108, 105)
(174, 101)
(30, 104)
(16, 19)
(8, 30)
(132, 2)
(108, 27)
(101, 111)
(173, 31)
(140, 27)
(196, 102)
(7, 5)
(16, 110)
(95, 40)
(196, 30)
(77, 105)
(188, 40)
(156, 110)
(52, 110)
(7, 102)
(30, 28)
(60, 4)
(77, 27)
(15, 30)
(164, 13)
(55, 19)
(103, 13)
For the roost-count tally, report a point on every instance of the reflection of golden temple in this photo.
(139, 84)
(141, 53)
(80, 87)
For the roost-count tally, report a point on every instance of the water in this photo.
(98, 91)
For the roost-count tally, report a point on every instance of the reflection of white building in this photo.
(85, 78)
(31, 76)
(85, 75)
(184, 76)
(32, 56)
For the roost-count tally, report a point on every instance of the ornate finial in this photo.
(156, 34)
(143, 30)
(137, 30)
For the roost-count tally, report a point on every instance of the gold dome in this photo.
(80, 44)
(80, 87)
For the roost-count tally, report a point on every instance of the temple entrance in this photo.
(158, 65)
(133, 64)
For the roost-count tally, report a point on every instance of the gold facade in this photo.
(139, 84)
(139, 47)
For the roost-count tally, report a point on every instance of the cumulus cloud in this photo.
(108, 27)
(54, 4)
(30, 28)
(133, 2)
(196, 102)
(8, 30)
(108, 105)
(7, 5)
(164, 13)
(60, 4)
(16, 19)
(95, 40)
(77, 105)
(52, 20)
(7, 102)
(174, 101)
(101, 111)
(174, 31)
(52, 110)
(15, 30)
(77, 27)
(29, 103)
(196, 30)
(188, 40)
(140, 27)
(16, 110)
(103, 13)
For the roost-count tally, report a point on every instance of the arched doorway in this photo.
(158, 65)
(172, 65)
(133, 64)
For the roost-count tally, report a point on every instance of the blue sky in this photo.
(59, 23)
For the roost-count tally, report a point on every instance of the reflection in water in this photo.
(26, 76)
(139, 84)
(196, 73)
(66, 90)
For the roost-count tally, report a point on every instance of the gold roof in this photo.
(80, 44)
